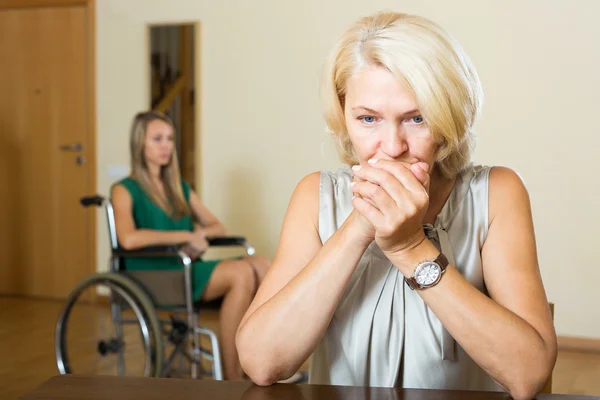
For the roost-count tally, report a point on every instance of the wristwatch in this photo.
(428, 273)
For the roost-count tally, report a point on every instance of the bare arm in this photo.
(132, 238)
(210, 224)
(306, 280)
(510, 335)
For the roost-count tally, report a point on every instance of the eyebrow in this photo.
(370, 110)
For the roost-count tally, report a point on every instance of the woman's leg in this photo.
(236, 281)
(260, 265)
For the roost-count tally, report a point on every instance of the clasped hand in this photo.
(197, 243)
(391, 198)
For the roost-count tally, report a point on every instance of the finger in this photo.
(404, 174)
(382, 178)
(366, 199)
(356, 180)
(424, 166)
(370, 212)
(379, 197)
(420, 172)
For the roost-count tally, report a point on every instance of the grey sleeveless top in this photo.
(382, 333)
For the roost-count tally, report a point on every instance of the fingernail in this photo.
(372, 161)
(352, 184)
(356, 167)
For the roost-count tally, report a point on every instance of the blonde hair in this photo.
(174, 202)
(428, 62)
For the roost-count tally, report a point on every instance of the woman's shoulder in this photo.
(495, 177)
(490, 181)
(506, 185)
(129, 183)
(316, 182)
(504, 175)
(342, 175)
(308, 187)
(502, 188)
(495, 174)
(131, 186)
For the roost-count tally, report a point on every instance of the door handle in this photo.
(72, 147)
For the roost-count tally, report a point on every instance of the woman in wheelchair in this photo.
(154, 206)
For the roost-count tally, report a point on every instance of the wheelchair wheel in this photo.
(109, 326)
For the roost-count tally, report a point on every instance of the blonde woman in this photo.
(154, 206)
(411, 267)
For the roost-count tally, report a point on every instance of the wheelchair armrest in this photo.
(150, 251)
(226, 241)
(231, 241)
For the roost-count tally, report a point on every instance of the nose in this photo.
(393, 142)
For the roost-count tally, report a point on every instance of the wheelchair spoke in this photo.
(97, 340)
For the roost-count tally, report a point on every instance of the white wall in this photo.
(262, 130)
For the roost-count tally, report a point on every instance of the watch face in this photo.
(427, 273)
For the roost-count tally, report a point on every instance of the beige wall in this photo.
(262, 130)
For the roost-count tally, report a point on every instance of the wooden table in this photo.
(67, 387)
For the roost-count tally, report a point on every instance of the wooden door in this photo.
(46, 151)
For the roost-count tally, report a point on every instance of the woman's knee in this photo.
(244, 276)
(260, 264)
(260, 260)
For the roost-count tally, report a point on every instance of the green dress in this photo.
(148, 215)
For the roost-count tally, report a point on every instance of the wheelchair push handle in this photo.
(96, 200)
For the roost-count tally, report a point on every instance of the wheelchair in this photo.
(110, 322)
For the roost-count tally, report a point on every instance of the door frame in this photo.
(196, 73)
(90, 6)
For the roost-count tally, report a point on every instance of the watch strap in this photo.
(440, 260)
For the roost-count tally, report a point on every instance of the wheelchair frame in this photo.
(191, 311)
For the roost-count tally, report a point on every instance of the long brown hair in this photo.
(174, 202)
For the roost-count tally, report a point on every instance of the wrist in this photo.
(407, 260)
(351, 234)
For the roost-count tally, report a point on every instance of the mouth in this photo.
(405, 162)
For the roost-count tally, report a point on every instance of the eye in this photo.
(417, 120)
(368, 119)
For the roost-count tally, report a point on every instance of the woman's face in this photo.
(383, 120)
(159, 143)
